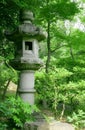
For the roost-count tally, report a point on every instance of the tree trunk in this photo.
(48, 58)
(71, 53)
(48, 47)
(55, 101)
(63, 110)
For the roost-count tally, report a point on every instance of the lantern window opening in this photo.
(28, 45)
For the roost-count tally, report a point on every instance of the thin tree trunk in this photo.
(55, 102)
(63, 110)
(48, 58)
(71, 53)
(48, 47)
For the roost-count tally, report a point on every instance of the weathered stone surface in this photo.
(27, 15)
(25, 66)
(55, 126)
(26, 86)
(26, 38)
(26, 29)
(48, 126)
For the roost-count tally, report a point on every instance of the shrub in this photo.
(14, 113)
(78, 119)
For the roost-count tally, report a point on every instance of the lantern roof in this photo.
(26, 29)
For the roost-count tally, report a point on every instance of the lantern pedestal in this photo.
(26, 86)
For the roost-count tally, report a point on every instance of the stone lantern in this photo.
(26, 38)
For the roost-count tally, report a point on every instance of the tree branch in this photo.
(58, 47)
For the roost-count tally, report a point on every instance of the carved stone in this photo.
(26, 38)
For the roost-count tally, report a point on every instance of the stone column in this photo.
(26, 86)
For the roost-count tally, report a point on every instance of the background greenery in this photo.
(60, 82)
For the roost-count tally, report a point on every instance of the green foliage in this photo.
(78, 119)
(9, 10)
(52, 10)
(7, 74)
(76, 40)
(14, 113)
(52, 86)
(64, 84)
